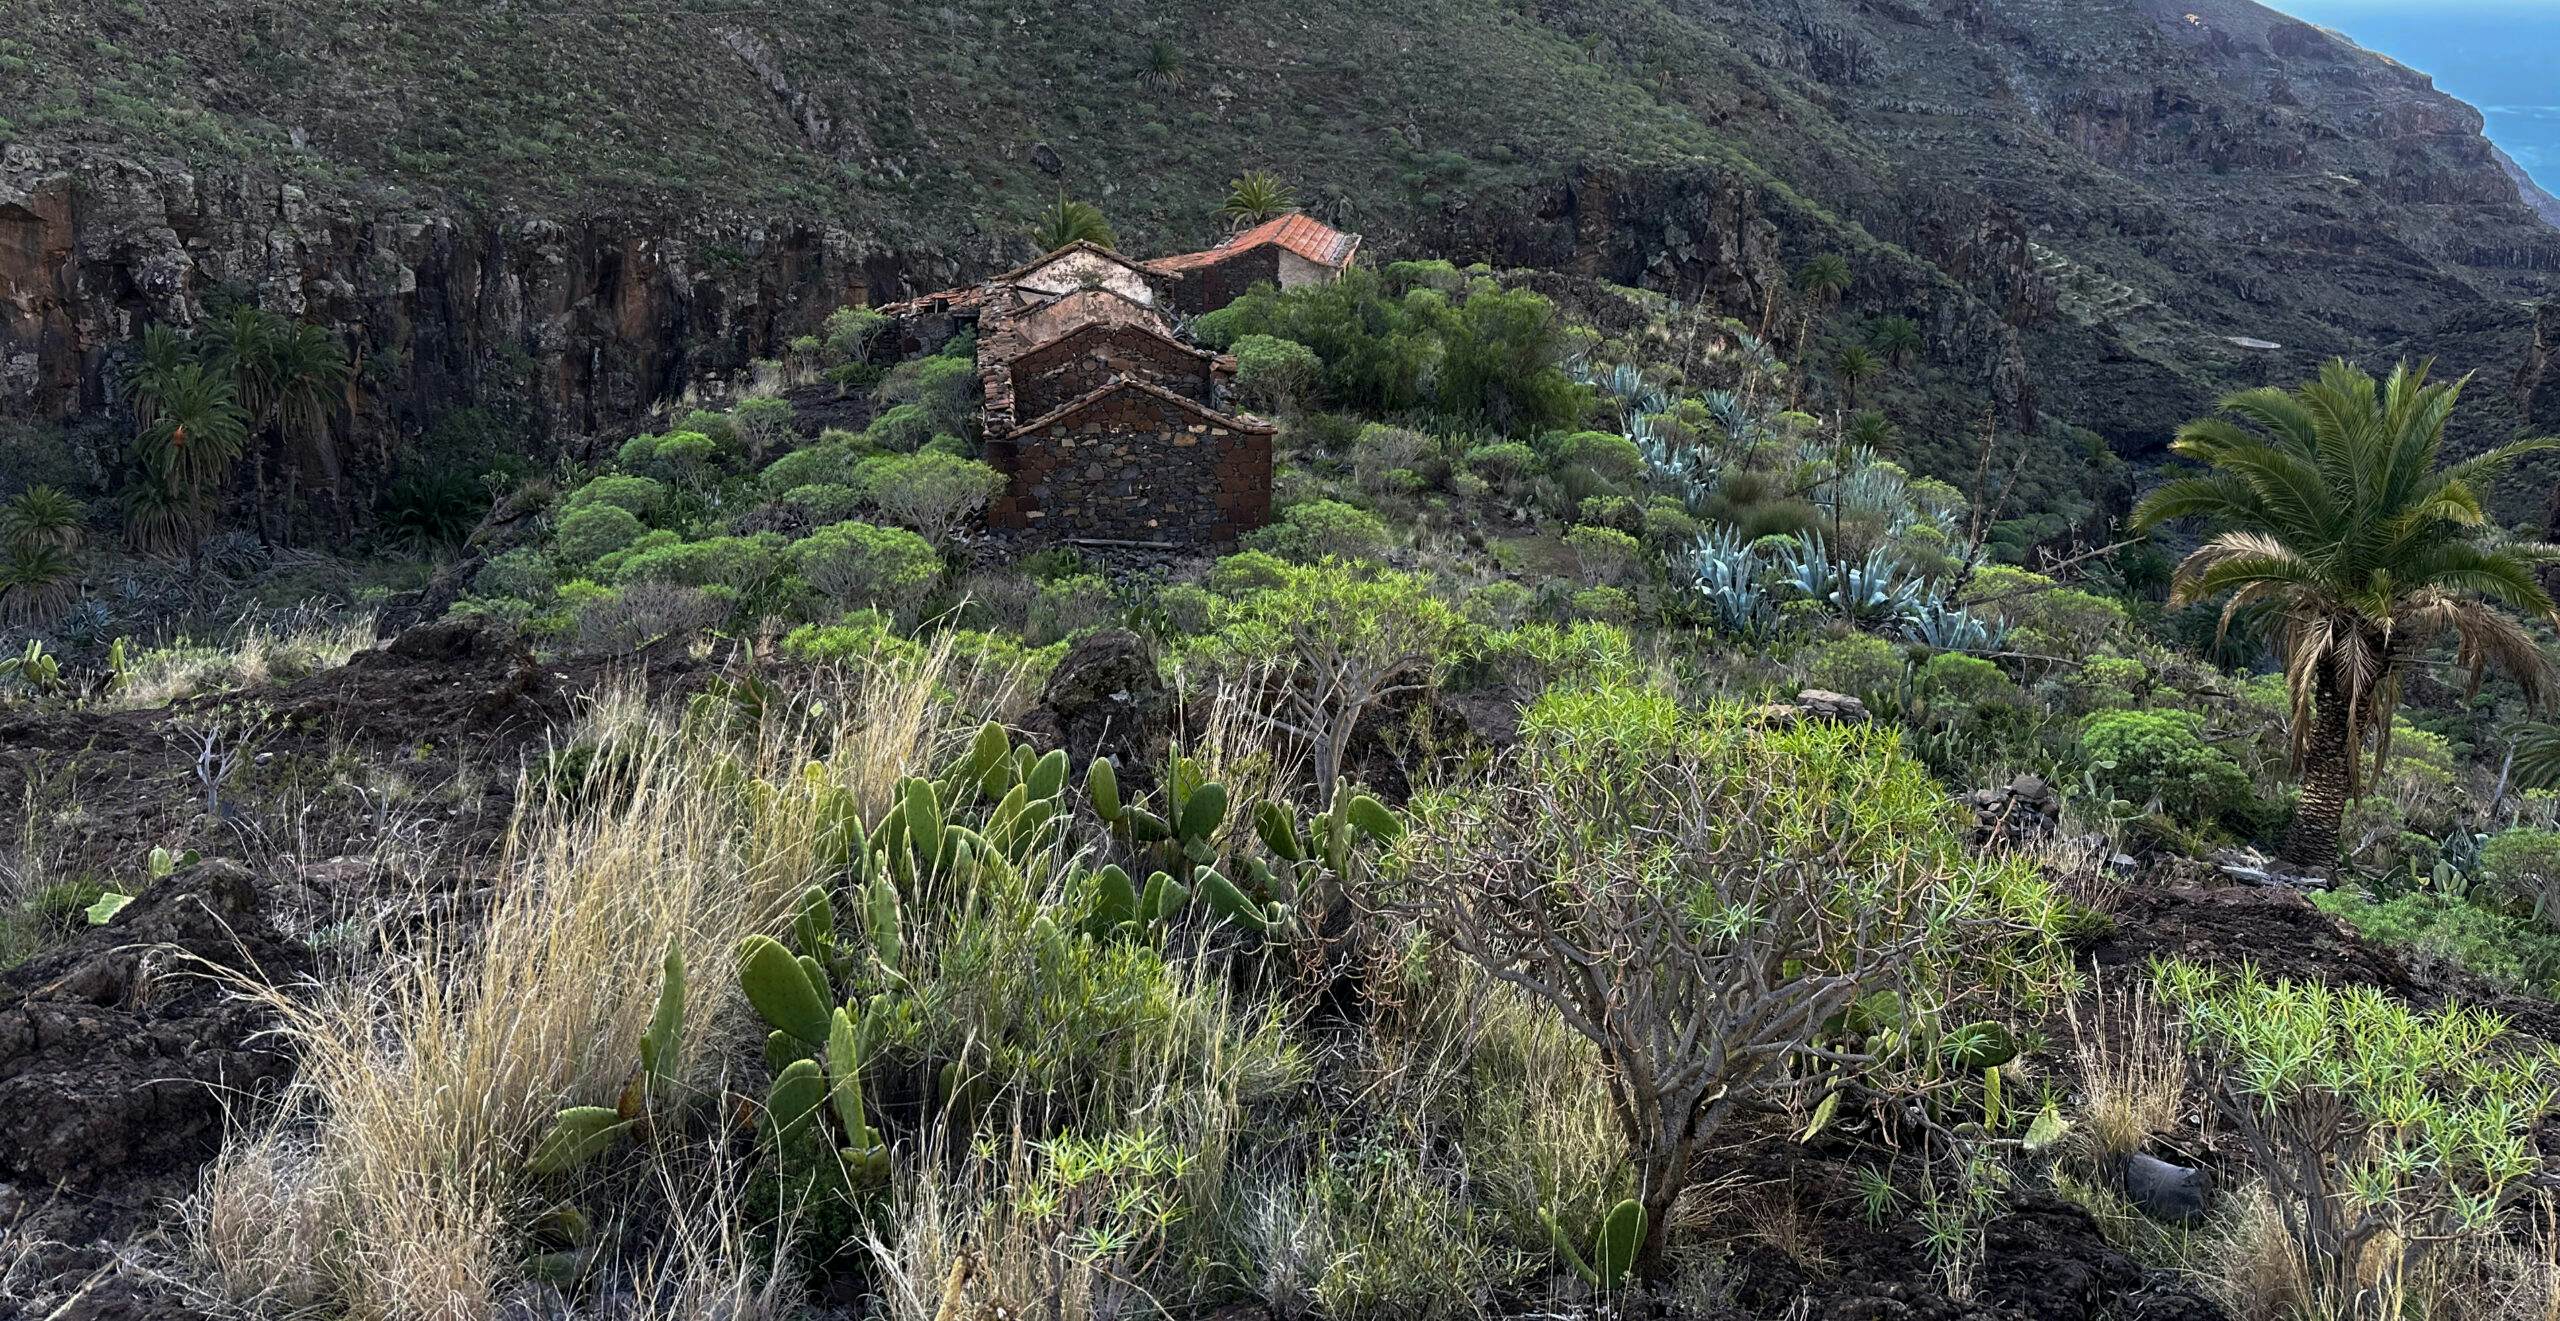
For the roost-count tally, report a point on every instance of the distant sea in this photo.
(2500, 55)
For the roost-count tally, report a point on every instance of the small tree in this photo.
(1694, 895)
(1897, 338)
(1273, 372)
(2383, 1134)
(1854, 367)
(934, 493)
(849, 333)
(1336, 642)
(762, 425)
(1824, 279)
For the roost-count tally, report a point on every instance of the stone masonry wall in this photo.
(1208, 288)
(1082, 362)
(1135, 466)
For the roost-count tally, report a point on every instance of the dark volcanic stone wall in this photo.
(1208, 288)
(1135, 466)
(1082, 362)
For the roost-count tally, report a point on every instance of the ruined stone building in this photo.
(1108, 425)
(1288, 251)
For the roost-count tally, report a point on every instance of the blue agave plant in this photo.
(1728, 571)
(1943, 626)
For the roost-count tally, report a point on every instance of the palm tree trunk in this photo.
(2326, 774)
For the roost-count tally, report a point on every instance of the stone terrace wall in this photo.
(1135, 466)
(1085, 360)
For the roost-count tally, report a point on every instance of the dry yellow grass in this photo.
(2133, 1069)
(262, 653)
(384, 1187)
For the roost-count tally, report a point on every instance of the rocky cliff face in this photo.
(2106, 211)
(591, 322)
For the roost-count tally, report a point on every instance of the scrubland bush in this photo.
(386, 1182)
(591, 532)
(2385, 1136)
(2161, 756)
(933, 493)
(857, 564)
(1274, 373)
(1315, 529)
(1632, 871)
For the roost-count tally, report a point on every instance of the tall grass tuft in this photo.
(385, 1186)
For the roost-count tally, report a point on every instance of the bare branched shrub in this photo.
(644, 613)
(1693, 897)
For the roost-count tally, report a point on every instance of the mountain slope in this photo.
(2097, 206)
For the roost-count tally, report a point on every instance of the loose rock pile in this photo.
(2025, 809)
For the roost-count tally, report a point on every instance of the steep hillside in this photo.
(2097, 209)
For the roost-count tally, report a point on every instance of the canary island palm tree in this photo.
(1897, 338)
(1824, 279)
(2339, 534)
(1256, 196)
(43, 516)
(1854, 367)
(1071, 221)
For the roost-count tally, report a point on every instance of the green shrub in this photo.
(2386, 1134)
(1318, 528)
(1248, 571)
(1966, 679)
(588, 534)
(825, 502)
(1613, 458)
(522, 572)
(2515, 952)
(686, 458)
(849, 332)
(1504, 462)
(827, 463)
(2525, 865)
(1670, 529)
(1604, 554)
(943, 389)
(640, 495)
(902, 429)
(1608, 605)
(2053, 620)
(1859, 665)
(748, 565)
(1065, 607)
(2140, 756)
(858, 564)
(1273, 372)
(1399, 1240)
(933, 493)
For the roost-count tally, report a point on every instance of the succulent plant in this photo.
(1614, 1245)
(580, 1133)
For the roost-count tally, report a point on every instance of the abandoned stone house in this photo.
(1288, 251)
(1108, 425)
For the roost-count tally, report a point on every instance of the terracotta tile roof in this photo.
(1304, 235)
(1235, 421)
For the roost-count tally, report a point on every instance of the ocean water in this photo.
(2500, 55)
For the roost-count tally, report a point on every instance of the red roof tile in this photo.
(1302, 234)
